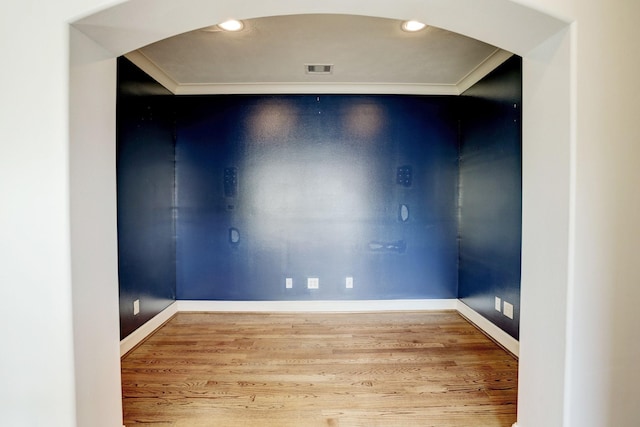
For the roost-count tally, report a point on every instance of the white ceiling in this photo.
(369, 55)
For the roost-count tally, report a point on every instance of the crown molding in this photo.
(153, 70)
(272, 88)
(483, 69)
(315, 88)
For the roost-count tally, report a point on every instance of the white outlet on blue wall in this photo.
(508, 310)
(288, 283)
(313, 283)
(136, 307)
(498, 304)
(349, 282)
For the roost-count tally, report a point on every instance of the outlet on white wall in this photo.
(313, 282)
(136, 307)
(288, 283)
(498, 304)
(508, 310)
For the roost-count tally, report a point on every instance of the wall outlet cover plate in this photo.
(508, 310)
(313, 283)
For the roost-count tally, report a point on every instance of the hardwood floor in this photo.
(347, 370)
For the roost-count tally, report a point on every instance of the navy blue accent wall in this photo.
(491, 194)
(270, 187)
(145, 184)
(224, 197)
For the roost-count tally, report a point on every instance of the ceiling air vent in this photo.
(318, 68)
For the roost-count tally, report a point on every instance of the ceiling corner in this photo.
(153, 70)
(484, 68)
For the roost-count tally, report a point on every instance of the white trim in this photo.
(504, 339)
(342, 306)
(158, 74)
(147, 329)
(273, 88)
(315, 88)
(483, 69)
(319, 306)
(153, 70)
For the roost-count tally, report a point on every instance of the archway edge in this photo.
(545, 42)
(120, 29)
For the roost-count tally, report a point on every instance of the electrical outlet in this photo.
(313, 283)
(508, 310)
(349, 282)
(136, 307)
(288, 283)
(498, 304)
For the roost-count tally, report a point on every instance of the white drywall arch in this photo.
(543, 41)
(504, 23)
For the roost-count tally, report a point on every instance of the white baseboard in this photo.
(485, 325)
(137, 336)
(319, 306)
(504, 339)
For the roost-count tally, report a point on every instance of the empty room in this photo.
(577, 362)
(358, 228)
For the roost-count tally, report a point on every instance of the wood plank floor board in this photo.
(294, 369)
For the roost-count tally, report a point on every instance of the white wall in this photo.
(93, 232)
(604, 339)
(545, 232)
(603, 282)
(37, 369)
(580, 226)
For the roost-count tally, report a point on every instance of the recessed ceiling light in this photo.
(413, 26)
(231, 25)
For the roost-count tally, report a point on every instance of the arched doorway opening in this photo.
(542, 40)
